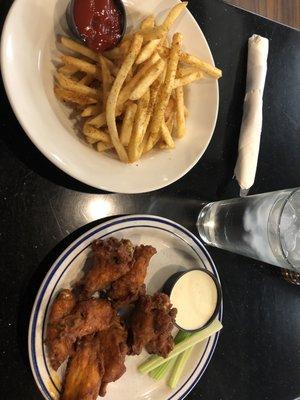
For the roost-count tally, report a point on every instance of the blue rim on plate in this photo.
(144, 221)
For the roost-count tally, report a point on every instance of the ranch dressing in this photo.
(195, 297)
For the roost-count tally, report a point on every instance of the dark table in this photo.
(43, 210)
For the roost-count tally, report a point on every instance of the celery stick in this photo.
(160, 372)
(197, 337)
(181, 335)
(180, 363)
(177, 361)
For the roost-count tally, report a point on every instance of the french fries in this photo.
(127, 124)
(174, 14)
(187, 79)
(113, 54)
(165, 92)
(91, 140)
(100, 120)
(184, 71)
(128, 88)
(94, 133)
(79, 64)
(153, 97)
(148, 22)
(180, 112)
(106, 79)
(87, 79)
(186, 58)
(131, 98)
(145, 83)
(103, 146)
(139, 127)
(90, 111)
(157, 32)
(170, 122)
(166, 135)
(67, 70)
(76, 87)
(115, 91)
(147, 51)
(73, 97)
(202, 65)
(78, 48)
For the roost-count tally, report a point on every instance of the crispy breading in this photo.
(87, 317)
(113, 350)
(151, 325)
(127, 289)
(111, 259)
(84, 372)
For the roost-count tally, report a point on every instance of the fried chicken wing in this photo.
(62, 306)
(84, 372)
(151, 325)
(113, 350)
(86, 318)
(141, 328)
(130, 286)
(98, 360)
(111, 259)
(164, 317)
(88, 330)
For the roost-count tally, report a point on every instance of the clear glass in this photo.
(265, 227)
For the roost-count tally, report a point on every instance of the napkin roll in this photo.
(250, 133)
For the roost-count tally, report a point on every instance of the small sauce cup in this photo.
(100, 29)
(210, 279)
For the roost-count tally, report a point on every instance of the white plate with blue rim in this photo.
(177, 250)
(28, 49)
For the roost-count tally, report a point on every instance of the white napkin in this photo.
(245, 169)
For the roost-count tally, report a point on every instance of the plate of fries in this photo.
(131, 120)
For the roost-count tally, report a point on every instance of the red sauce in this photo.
(99, 22)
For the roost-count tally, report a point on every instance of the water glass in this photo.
(265, 227)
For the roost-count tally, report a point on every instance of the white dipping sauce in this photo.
(195, 297)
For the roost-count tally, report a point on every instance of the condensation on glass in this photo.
(265, 227)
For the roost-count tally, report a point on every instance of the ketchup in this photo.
(99, 23)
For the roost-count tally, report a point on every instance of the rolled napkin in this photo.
(245, 169)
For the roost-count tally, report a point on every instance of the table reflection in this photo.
(183, 211)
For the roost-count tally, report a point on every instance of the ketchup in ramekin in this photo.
(100, 24)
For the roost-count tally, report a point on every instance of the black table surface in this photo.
(42, 210)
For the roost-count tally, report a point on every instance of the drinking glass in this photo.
(265, 227)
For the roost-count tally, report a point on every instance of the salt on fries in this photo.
(131, 98)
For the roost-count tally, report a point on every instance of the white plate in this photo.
(28, 49)
(177, 249)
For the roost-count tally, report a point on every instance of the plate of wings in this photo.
(100, 312)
